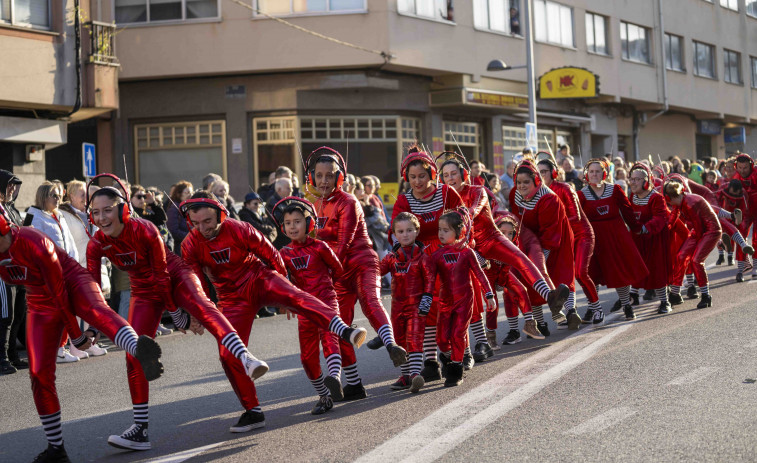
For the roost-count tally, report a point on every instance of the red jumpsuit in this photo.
(455, 265)
(654, 245)
(58, 290)
(704, 236)
(514, 293)
(341, 225)
(159, 281)
(583, 237)
(312, 265)
(616, 262)
(247, 273)
(411, 278)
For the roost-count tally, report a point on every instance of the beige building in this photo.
(209, 85)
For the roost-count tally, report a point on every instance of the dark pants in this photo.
(12, 317)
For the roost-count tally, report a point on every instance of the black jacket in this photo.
(8, 205)
(263, 225)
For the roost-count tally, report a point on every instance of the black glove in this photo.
(425, 306)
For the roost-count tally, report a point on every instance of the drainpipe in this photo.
(77, 45)
(665, 105)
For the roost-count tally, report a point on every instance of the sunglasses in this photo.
(55, 196)
(140, 196)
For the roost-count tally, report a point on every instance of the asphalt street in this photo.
(677, 387)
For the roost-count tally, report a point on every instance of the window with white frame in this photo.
(751, 7)
(596, 34)
(553, 23)
(147, 11)
(432, 9)
(704, 60)
(26, 13)
(514, 140)
(298, 7)
(730, 4)
(497, 15)
(466, 136)
(753, 67)
(635, 42)
(674, 52)
(732, 66)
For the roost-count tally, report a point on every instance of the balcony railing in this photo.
(102, 43)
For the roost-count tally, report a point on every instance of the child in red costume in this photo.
(159, 281)
(312, 265)
(59, 290)
(455, 263)
(732, 199)
(412, 293)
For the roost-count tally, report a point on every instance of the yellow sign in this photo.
(568, 82)
(495, 99)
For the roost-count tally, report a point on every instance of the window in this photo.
(753, 67)
(751, 7)
(704, 60)
(296, 7)
(145, 11)
(732, 66)
(553, 23)
(596, 34)
(674, 52)
(730, 4)
(468, 138)
(432, 9)
(635, 42)
(514, 140)
(497, 15)
(26, 13)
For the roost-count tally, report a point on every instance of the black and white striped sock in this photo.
(467, 350)
(542, 288)
(478, 331)
(741, 264)
(405, 368)
(690, 281)
(234, 344)
(721, 252)
(723, 214)
(634, 290)
(595, 305)
(704, 289)
(319, 387)
(570, 303)
(623, 294)
(512, 322)
(386, 334)
(337, 326)
(351, 375)
(538, 313)
(53, 431)
(334, 364)
(730, 255)
(675, 289)
(126, 338)
(528, 316)
(141, 414)
(256, 410)
(429, 343)
(662, 294)
(416, 362)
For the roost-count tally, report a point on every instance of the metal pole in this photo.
(530, 62)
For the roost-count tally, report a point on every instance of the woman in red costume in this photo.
(616, 262)
(159, 281)
(704, 236)
(540, 210)
(58, 291)
(732, 199)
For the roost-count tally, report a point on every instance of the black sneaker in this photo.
(721, 260)
(705, 302)
(265, 312)
(468, 362)
(444, 361)
(397, 354)
(134, 438)
(335, 387)
(482, 352)
(354, 392)
(148, 354)
(598, 318)
(324, 404)
(675, 299)
(616, 306)
(588, 316)
(692, 293)
(556, 299)
(401, 384)
(454, 376)
(52, 454)
(730, 260)
(649, 295)
(739, 277)
(20, 364)
(375, 343)
(431, 371)
(544, 328)
(513, 337)
(248, 421)
(634, 298)
(628, 310)
(6, 368)
(664, 307)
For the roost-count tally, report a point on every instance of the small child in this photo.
(454, 263)
(711, 181)
(412, 288)
(311, 265)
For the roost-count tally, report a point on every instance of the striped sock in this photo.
(126, 338)
(53, 431)
(337, 326)
(542, 288)
(675, 289)
(690, 281)
(141, 415)
(570, 303)
(478, 331)
(512, 322)
(334, 363)
(351, 375)
(467, 350)
(405, 368)
(234, 344)
(429, 343)
(704, 289)
(662, 294)
(595, 305)
(721, 252)
(741, 265)
(730, 255)
(320, 388)
(416, 362)
(623, 294)
(256, 410)
(527, 316)
(386, 334)
(538, 314)
(723, 214)
(634, 290)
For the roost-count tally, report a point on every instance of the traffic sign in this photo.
(88, 155)
(532, 137)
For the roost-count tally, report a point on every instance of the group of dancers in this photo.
(454, 249)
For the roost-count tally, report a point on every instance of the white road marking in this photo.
(602, 421)
(466, 416)
(693, 376)
(710, 266)
(184, 455)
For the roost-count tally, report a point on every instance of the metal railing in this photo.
(102, 43)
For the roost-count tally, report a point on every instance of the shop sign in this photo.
(568, 82)
(735, 135)
(495, 99)
(709, 126)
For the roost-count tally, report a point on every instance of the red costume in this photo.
(513, 292)
(704, 234)
(654, 241)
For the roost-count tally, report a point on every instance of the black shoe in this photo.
(431, 371)
(616, 306)
(587, 316)
(354, 392)
(444, 361)
(397, 354)
(649, 295)
(324, 404)
(721, 260)
(248, 421)
(134, 438)
(543, 328)
(705, 302)
(574, 320)
(335, 387)
(375, 343)
(468, 362)
(628, 310)
(265, 312)
(6, 368)
(634, 298)
(482, 352)
(513, 337)
(598, 317)
(454, 376)
(664, 308)
(53, 454)
(692, 293)
(20, 364)
(556, 299)
(675, 299)
(148, 354)
(739, 277)
(730, 260)
(401, 384)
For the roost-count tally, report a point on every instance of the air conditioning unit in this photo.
(35, 153)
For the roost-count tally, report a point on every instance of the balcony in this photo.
(102, 43)
(100, 70)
